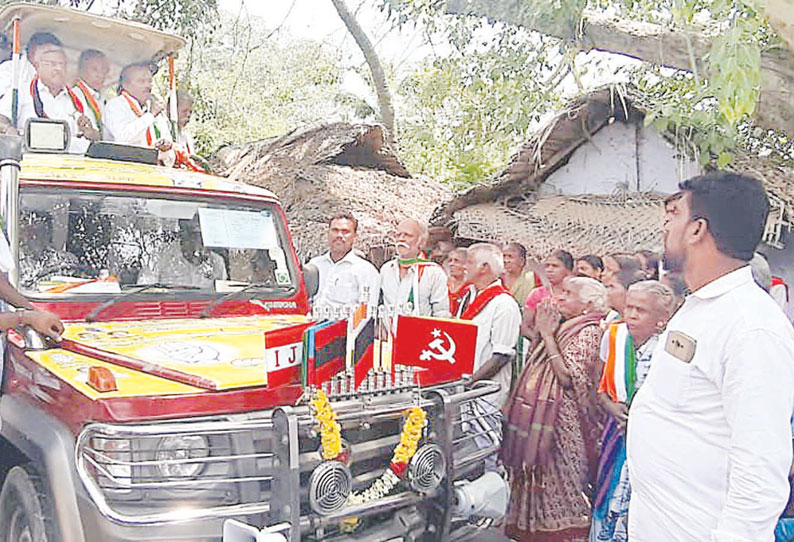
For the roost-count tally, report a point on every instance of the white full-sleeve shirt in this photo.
(57, 106)
(123, 126)
(709, 434)
(425, 288)
(346, 282)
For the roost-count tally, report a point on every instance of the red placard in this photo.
(283, 354)
(444, 348)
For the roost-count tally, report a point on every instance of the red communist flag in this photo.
(444, 348)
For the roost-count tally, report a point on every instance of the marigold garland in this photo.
(405, 450)
(330, 430)
(331, 439)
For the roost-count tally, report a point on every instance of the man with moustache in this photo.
(47, 96)
(709, 436)
(134, 116)
(39, 41)
(346, 279)
(410, 280)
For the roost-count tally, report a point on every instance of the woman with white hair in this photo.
(626, 351)
(552, 420)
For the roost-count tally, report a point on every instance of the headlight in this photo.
(182, 456)
(114, 457)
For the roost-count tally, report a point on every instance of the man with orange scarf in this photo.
(92, 69)
(411, 281)
(134, 117)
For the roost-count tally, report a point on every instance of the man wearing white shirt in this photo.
(495, 311)
(134, 116)
(709, 434)
(47, 96)
(346, 279)
(93, 68)
(410, 280)
(27, 71)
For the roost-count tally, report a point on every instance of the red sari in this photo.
(550, 443)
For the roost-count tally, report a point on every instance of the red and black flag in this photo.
(363, 353)
(327, 342)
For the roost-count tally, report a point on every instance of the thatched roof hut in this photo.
(336, 167)
(592, 180)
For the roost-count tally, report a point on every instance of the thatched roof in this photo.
(509, 208)
(336, 167)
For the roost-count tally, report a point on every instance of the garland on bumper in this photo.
(409, 441)
(331, 439)
(330, 430)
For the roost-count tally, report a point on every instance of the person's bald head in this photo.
(93, 67)
(411, 236)
(137, 80)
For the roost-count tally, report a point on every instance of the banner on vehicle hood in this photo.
(229, 352)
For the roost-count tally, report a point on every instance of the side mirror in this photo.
(46, 135)
(311, 277)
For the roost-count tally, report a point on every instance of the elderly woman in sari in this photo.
(626, 351)
(552, 418)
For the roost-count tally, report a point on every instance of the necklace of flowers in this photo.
(331, 439)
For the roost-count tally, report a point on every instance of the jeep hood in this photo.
(224, 353)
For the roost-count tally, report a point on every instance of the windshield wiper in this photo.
(237, 293)
(140, 288)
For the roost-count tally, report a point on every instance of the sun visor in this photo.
(124, 42)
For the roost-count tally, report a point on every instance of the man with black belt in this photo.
(709, 434)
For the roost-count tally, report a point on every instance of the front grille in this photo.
(260, 464)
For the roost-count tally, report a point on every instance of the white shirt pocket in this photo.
(670, 378)
(344, 289)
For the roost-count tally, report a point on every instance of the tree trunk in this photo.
(655, 44)
(378, 75)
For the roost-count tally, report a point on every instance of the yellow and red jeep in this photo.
(159, 417)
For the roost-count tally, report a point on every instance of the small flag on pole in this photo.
(443, 348)
(328, 345)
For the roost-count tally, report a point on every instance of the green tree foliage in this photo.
(462, 115)
(710, 107)
(250, 84)
(191, 19)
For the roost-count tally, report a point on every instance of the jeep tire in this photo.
(24, 516)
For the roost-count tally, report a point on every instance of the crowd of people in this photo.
(644, 398)
(129, 113)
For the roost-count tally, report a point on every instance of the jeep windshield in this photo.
(81, 243)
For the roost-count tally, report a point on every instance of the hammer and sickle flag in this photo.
(442, 347)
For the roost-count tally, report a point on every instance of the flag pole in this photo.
(173, 112)
(16, 60)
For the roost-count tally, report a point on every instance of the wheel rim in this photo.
(19, 526)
